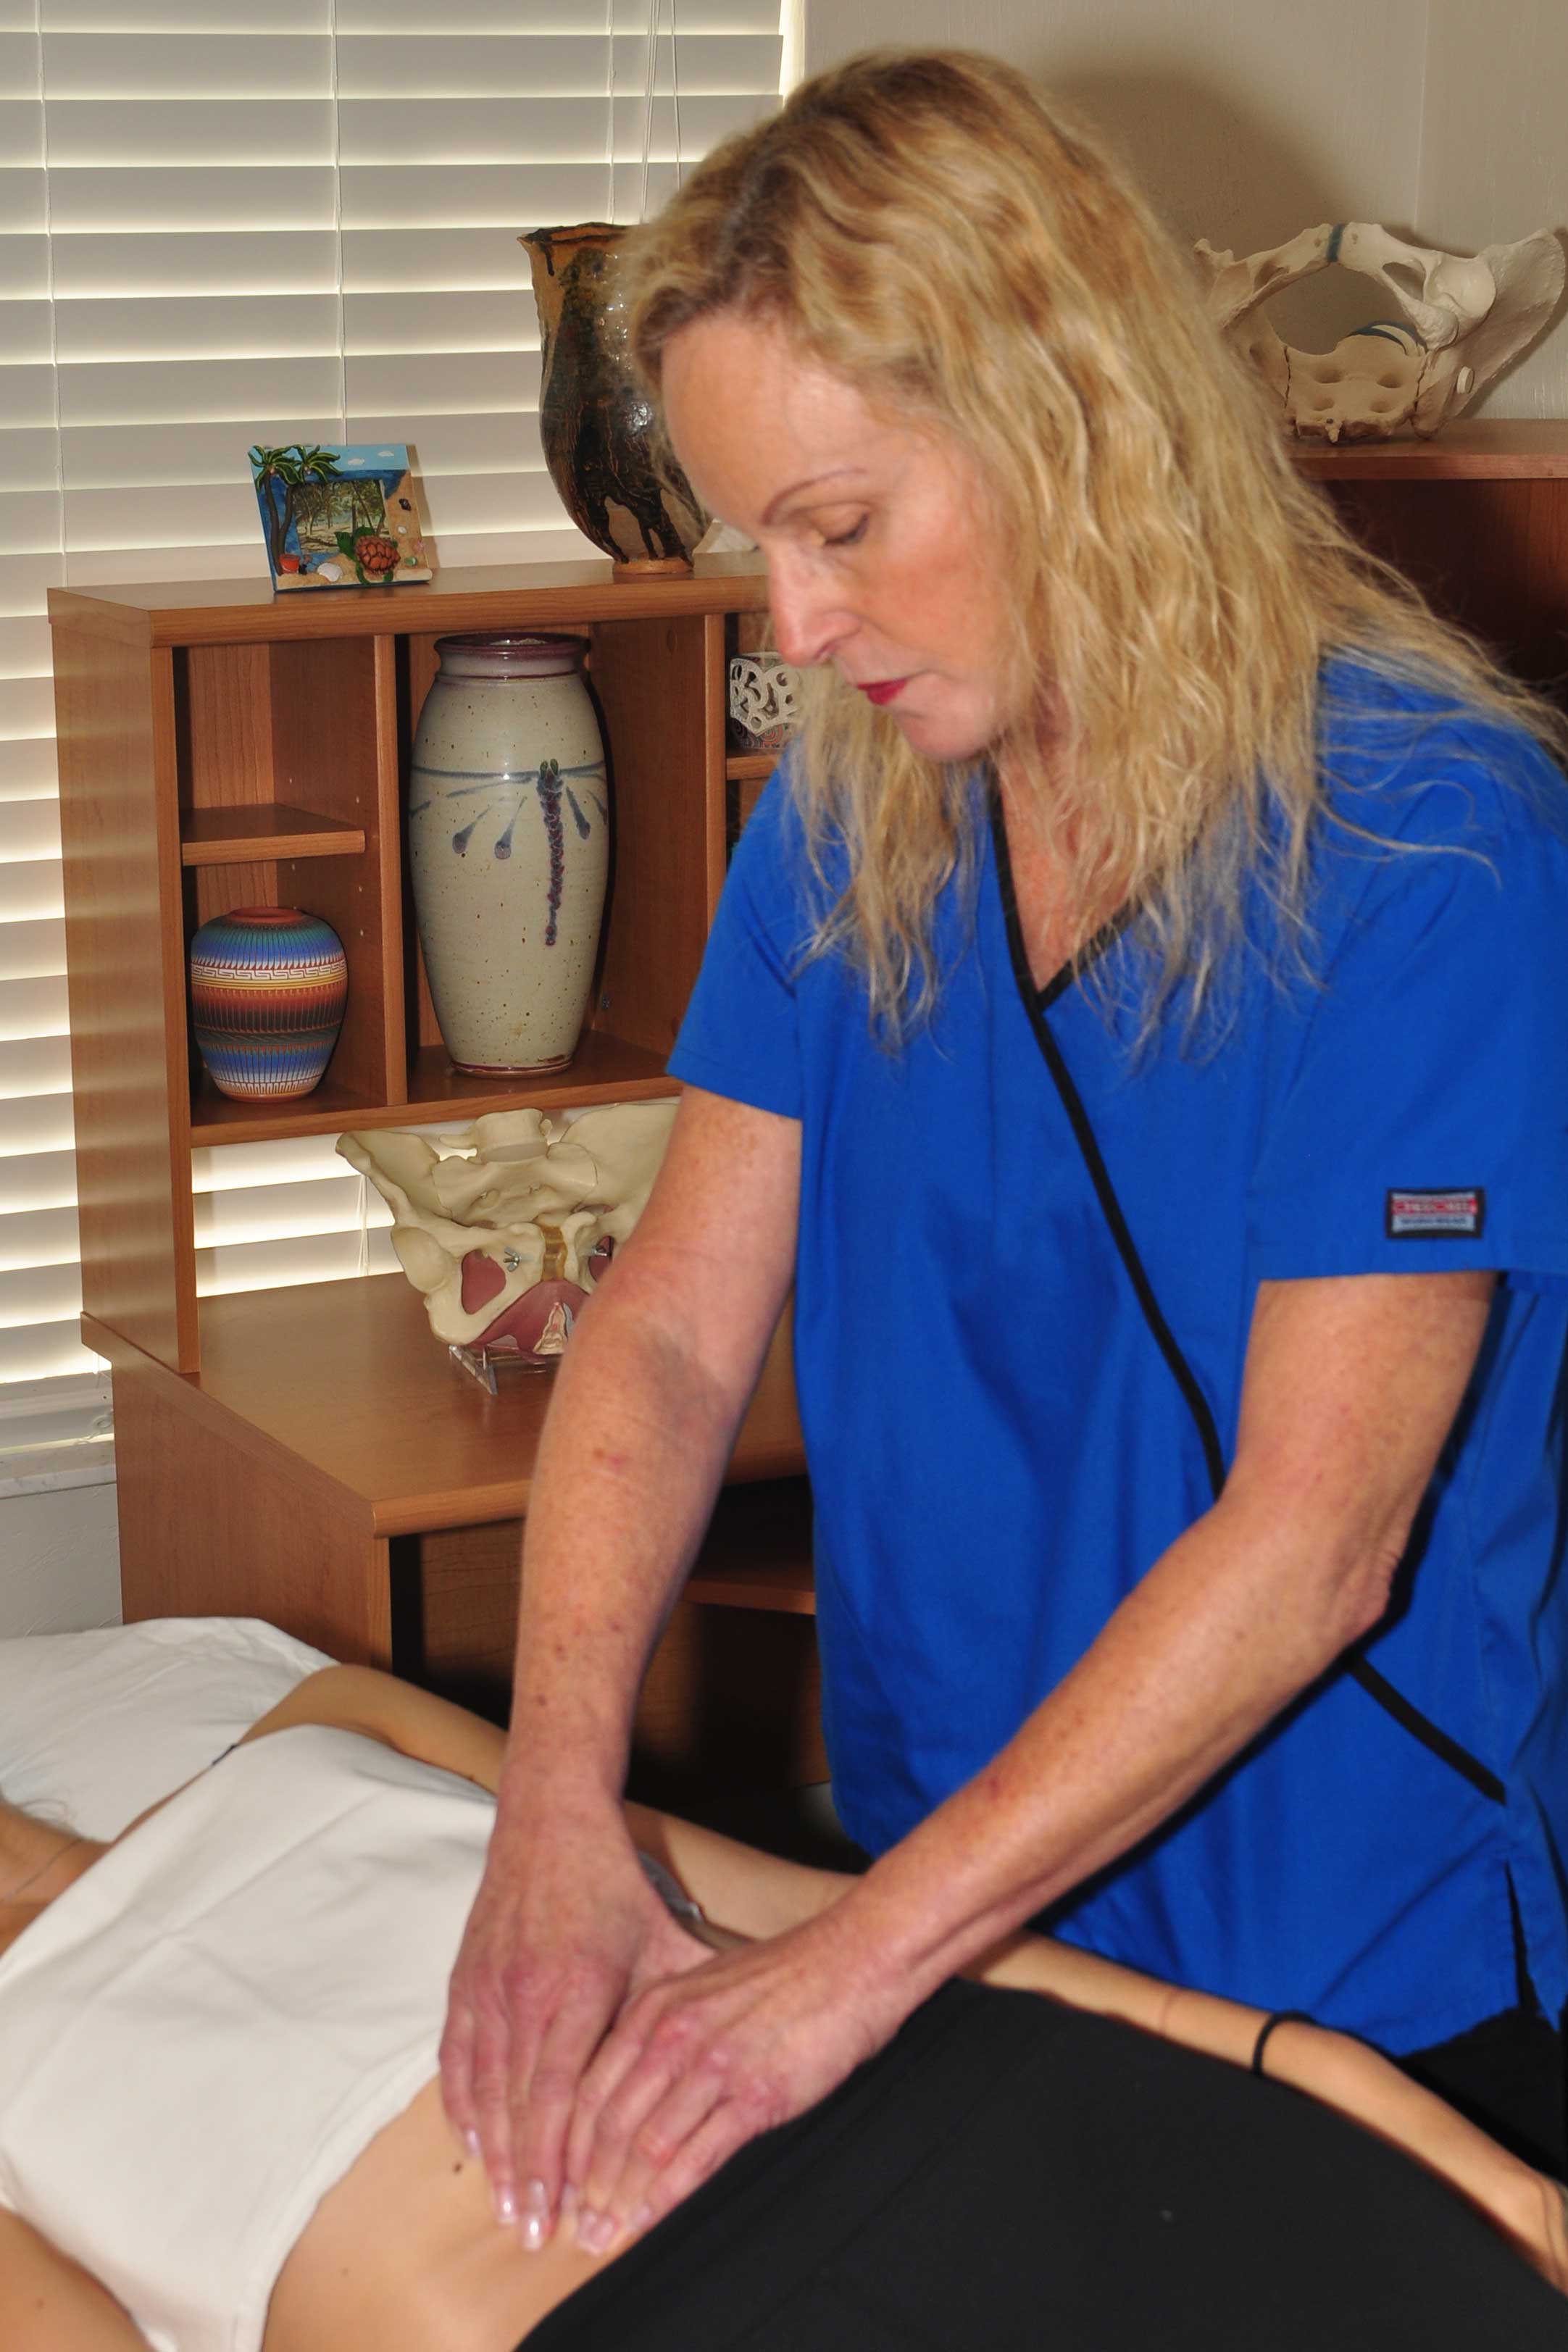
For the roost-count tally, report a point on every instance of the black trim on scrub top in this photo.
(1036, 1002)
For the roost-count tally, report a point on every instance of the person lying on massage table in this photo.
(220, 2122)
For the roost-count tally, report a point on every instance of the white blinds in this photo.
(299, 226)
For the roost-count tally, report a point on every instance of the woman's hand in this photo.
(564, 1930)
(697, 2066)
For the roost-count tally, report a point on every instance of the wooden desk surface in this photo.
(348, 1376)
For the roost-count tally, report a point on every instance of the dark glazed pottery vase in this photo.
(606, 456)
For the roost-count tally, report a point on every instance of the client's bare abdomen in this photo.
(406, 2254)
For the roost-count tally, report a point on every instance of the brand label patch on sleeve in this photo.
(1458, 1212)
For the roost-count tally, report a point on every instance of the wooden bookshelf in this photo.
(289, 1454)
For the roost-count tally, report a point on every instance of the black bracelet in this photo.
(1280, 2017)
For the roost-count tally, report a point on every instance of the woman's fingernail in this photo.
(471, 2144)
(595, 2232)
(506, 2208)
(639, 2220)
(535, 2216)
(569, 2201)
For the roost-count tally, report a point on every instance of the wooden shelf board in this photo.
(475, 596)
(757, 1551)
(350, 1378)
(1490, 448)
(790, 1591)
(751, 767)
(259, 832)
(604, 1069)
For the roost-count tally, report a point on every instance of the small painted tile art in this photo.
(339, 515)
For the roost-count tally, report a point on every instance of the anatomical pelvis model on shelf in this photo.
(1459, 324)
(509, 1225)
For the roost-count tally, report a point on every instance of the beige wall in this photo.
(1248, 120)
(1494, 157)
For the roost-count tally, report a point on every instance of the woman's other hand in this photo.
(564, 1930)
(699, 2064)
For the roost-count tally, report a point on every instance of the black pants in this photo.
(1506, 2074)
(1010, 2176)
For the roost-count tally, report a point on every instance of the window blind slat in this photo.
(465, 193)
(26, 456)
(478, 130)
(30, 892)
(24, 332)
(93, 196)
(146, 519)
(453, 260)
(163, 392)
(242, 326)
(45, 1351)
(23, 268)
(22, 127)
(550, 17)
(29, 522)
(276, 1265)
(257, 1213)
(484, 321)
(26, 393)
(102, 457)
(30, 772)
(516, 64)
(38, 1238)
(215, 261)
(32, 1008)
(188, 16)
(36, 1123)
(37, 1180)
(120, 66)
(24, 201)
(35, 1066)
(201, 131)
(25, 580)
(30, 832)
(29, 950)
(416, 384)
(42, 1294)
(23, 653)
(26, 711)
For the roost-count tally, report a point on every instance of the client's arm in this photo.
(48, 2303)
(379, 1707)
(759, 1897)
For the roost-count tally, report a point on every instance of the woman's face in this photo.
(875, 534)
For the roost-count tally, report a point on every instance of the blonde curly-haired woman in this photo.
(1134, 1027)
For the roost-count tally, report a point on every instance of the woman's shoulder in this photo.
(1418, 761)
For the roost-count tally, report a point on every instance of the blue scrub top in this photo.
(1028, 1262)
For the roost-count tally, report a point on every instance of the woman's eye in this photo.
(851, 537)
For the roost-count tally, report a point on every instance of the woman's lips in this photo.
(884, 691)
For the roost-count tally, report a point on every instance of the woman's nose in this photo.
(809, 623)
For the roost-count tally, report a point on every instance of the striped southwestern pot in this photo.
(268, 985)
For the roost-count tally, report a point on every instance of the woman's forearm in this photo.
(1351, 1388)
(757, 1895)
(632, 1454)
(1227, 1628)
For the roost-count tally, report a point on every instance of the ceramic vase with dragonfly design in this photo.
(508, 849)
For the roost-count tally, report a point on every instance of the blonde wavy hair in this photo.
(974, 264)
